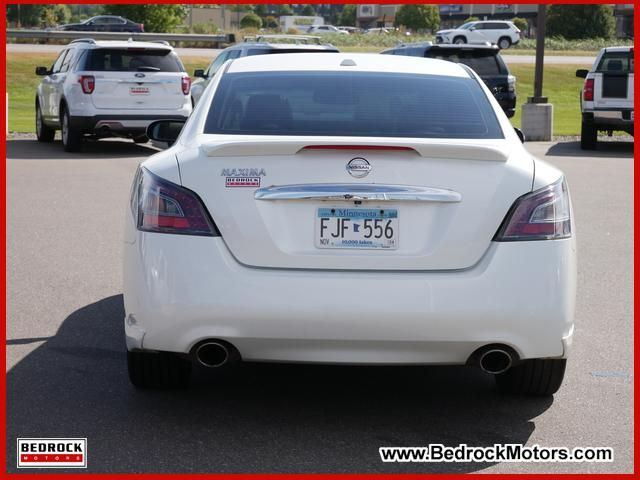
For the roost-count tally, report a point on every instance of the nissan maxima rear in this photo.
(349, 209)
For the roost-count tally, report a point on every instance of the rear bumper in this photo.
(179, 290)
(119, 124)
(617, 117)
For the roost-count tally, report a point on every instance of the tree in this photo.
(418, 17)
(54, 14)
(308, 11)
(470, 19)
(348, 15)
(271, 22)
(520, 23)
(156, 18)
(261, 10)
(251, 20)
(25, 15)
(581, 21)
(284, 9)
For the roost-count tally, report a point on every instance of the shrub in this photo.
(520, 23)
(251, 20)
(271, 22)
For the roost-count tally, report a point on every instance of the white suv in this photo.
(503, 34)
(110, 88)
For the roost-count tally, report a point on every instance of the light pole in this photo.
(537, 113)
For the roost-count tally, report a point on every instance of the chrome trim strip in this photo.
(362, 192)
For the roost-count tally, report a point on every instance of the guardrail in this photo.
(215, 40)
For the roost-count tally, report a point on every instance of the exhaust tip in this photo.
(212, 354)
(495, 361)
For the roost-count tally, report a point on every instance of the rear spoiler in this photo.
(427, 149)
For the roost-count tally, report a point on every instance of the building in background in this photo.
(454, 15)
(624, 20)
(376, 16)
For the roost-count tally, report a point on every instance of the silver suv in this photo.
(110, 88)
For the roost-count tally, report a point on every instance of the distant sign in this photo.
(450, 8)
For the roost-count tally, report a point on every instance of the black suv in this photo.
(485, 60)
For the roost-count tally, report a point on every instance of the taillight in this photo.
(142, 27)
(186, 85)
(511, 80)
(165, 207)
(541, 215)
(587, 90)
(88, 83)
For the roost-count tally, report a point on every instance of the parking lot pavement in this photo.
(67, 373)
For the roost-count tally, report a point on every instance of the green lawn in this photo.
(21, 87)
(560, 85)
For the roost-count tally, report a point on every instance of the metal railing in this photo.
(216, 41)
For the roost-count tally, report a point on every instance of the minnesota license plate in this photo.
(357, 228)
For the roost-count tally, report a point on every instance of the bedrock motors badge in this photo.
(52, 453)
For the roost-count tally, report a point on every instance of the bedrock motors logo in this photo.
(52, 453)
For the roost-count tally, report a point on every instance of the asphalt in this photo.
(212, 52)
(66, 370)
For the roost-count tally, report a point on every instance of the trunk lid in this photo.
(444, 199)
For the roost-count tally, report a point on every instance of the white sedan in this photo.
(350, 209)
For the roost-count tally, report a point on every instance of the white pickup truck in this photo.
(607, 95)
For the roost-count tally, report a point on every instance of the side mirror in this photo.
(520, 134)
(471, 29)
(42, 71)
(165, 131)
(199, 73)
(582, 73)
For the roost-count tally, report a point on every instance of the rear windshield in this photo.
(131, 60)
(351, 104)
(616, 62)
(482, 62)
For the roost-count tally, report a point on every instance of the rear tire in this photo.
(504, 43)
(459, 40)
(540, 376)
(158, 370)
(43, 132)
(588, 136)
(71, 136)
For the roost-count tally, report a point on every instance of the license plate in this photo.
(357, 228)
(138, 90)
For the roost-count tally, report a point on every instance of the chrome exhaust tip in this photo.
(212, 354)
(495, 361)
